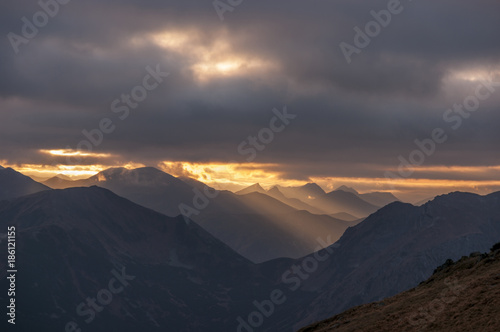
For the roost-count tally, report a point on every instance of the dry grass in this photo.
(462, 297)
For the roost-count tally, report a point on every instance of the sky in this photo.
(238, 92)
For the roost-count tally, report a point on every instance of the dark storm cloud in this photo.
(352, 119)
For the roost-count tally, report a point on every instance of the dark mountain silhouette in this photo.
(186, 280)
(461, 296)
(258, 227)
(14, 184)
(69, 242)
(305, 193)
(379, 198)
(423, 201)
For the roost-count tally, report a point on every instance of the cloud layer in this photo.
(353, 120)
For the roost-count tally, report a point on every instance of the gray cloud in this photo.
(353, 119)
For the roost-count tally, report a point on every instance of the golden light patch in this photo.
(72, 153)
(209, 59)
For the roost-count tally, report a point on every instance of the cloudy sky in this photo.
(354, 102)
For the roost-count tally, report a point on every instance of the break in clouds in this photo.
(62, 72)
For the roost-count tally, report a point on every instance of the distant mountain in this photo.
(379, 198)
(60, 182)
(461, 296)
(347, 189)
(253, 188)
(258, 227)
(342, 201)
(423, 201)
(148, 272)
(296, 203)
(262, 228)
(375, 198)
(401, 243)
(344, 216)
(14, 184)
(275, 193)
(305, 193)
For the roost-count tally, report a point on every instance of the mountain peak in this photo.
(253, 188)
(313, 188)
(347, 189)
(62, 177)
(145, 175)
(275, 190)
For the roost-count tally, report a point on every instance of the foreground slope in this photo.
(464, 296)
(396, 248)
(69, 242)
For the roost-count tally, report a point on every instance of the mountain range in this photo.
(399, 246)
(314, 199)
(174, 275)
(74, 241)
(258, 226)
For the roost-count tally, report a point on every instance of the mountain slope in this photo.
(375, 198)
(401, 243)
(14, 184)
(58, 182)
(275, 193)
(257, 226)
(253, 188)
(464, 296)
(304, 193)
(379, 198)
(347, 189)
(262, 228)
(70, 241)
(342, 201)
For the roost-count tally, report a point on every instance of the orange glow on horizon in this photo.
(235, 176)
(75, 172)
